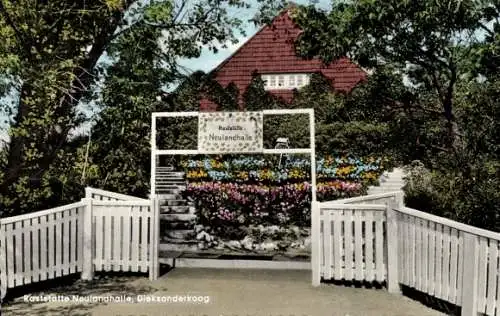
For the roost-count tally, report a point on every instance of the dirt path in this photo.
(226, 293)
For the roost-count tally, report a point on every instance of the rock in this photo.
(198, 228)
(202, 236)
(273, 229)
(269, 246)
(307, 242)
(234, 244)
(247, 243)
(295, 230)
(209, 238)
(283, 245)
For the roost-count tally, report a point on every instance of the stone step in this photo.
(170, 196)
(174, 203)
(175, 209)
(171, 174)
(170, 187)
(171, 180)
(173, 186)
(178, 217)
(185, 234)
(167, 191)
(192, 243)
(165, 225)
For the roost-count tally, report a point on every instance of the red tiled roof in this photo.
(272, 50)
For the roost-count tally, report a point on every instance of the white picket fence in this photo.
(103, 232)
(376, 238)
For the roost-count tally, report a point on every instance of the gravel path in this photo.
(225, 293)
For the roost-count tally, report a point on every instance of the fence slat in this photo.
(413, 247)
(369, 263)
(453, 266)
(58, 242)
(328, 248)
(439, 257)
(432, 258)
(401, 248)
(358, 243)
(379, 246)
(117, 240)
(425, 255)
(66, 240)
(3, 262)
(321, 252)
(126, 242)
(19, 236)
(99, 241)
(81, 237)
(492, 277)
(135, 240)
(483, 266)
(9, 245)
(460, 277)
(44, 251)
(35, 272)
(108, 237)
(348, 239)
(406, 249)
(27, 259)
(338, 246)
(497, 303)
(145, 213)
(52, 246)
(72, 245)
(418, 253)
(446, 263)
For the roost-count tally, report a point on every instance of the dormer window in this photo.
(285, 81)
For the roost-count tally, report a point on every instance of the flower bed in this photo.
(230, 206)
(231, 194)
(255, 170)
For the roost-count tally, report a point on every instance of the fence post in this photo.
(154, 239)
(88, 192)
(88, 251)
(470, 274)
(315, 245)
(3, 265)
(392, 248)
(400, 199)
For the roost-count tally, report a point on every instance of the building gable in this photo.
(271, 51)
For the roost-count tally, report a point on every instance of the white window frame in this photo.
(288, 81)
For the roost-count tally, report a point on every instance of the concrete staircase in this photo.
(177, 216)
(389, 182)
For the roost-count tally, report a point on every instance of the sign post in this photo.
(241, 132)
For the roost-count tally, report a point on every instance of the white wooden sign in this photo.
(230, 132)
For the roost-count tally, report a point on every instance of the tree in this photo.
(49, 55)
(424, 40)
